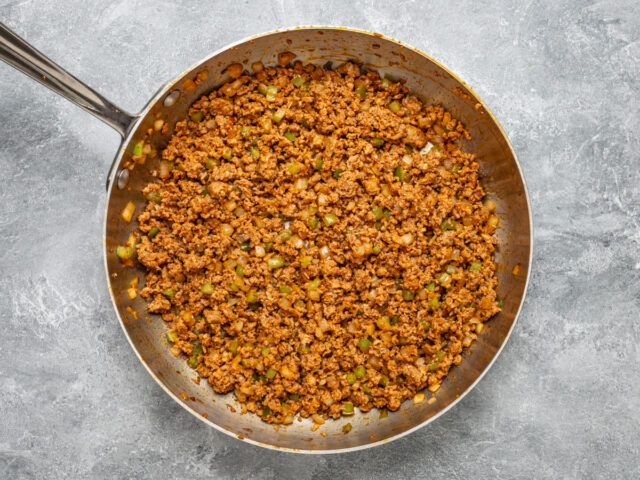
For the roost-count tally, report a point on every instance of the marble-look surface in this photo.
(562, 401)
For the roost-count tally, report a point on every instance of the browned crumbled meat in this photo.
(308, 250)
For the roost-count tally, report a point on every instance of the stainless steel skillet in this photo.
(425, 77)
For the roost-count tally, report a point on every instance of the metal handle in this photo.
(19, 54)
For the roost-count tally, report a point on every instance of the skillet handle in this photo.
(19, 54)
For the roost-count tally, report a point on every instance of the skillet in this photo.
(426, 78)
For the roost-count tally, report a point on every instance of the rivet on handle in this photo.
(171, 99)
(123, 178)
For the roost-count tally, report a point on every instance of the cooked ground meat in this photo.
(317, 241)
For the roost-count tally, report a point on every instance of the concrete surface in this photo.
(563, 400)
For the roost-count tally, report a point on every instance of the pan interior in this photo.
(432, 84)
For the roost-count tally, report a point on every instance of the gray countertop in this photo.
(563, 399)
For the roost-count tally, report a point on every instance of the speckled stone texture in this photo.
(562, 401)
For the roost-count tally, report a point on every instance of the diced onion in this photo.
(284, 303)
(226, 229)
(286, 372)
(301, 184)
(426, 149)
(202, 76)
(234, 70)
(363, 249)
(297, 242)
(230, 264)
(493, 222)
(127, 213)
(231, 88)
(324, 251)
(163, 169)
